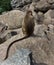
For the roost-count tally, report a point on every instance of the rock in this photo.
(51, 1)
(8, 34)
(2, 40)
(49, 14)
(25, 8)
(39, 30)
(40, 18)
(52, 6)
(35, 0)
(21, 57)
(32, 5)
(13, 19)
(50, 36)
(48, 17)
(42, 6)
(51, 28)
(19, 4)
(42, 46)
(3, 26)
(41, 50)
(5, 36)
(52, 21)
(4, 13)
(4, 47)
(52, 14)
(47, 21)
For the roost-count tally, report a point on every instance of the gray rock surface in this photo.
(21, 57)
(41, 5)
(18, 4)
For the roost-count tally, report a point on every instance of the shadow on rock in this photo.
(35, 63)
(13, 33)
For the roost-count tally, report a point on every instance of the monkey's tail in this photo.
(12, 44)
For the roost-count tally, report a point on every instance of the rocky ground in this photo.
(41, 44)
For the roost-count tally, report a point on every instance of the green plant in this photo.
(5, 5)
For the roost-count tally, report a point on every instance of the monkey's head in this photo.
(29, 12)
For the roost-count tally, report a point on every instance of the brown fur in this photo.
(27, 29)
(28, 23)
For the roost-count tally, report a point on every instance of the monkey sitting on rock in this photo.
(27, 29)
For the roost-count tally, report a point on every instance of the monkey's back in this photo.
(28, 25)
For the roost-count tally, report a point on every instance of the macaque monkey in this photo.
(27, 29)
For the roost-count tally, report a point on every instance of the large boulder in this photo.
(41, 47)
(13, 19)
